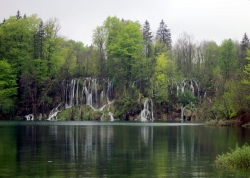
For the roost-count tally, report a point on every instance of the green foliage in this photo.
(8, 88)
(159, 79)
(207, 65)
(186, 97)
(247, 68)
(16, 40)
(232, 100)
(126, 106)
(239, 158)
(228, 58)
(147, 39)
(38, 59)
(124, 47)
(99, 40)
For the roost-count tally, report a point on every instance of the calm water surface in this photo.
(115, 149)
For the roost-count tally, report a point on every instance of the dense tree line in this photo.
(209, 80)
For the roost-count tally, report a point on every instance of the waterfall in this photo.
(40, 117)
(198, 88)
(29, 117)
(192, 87)
(186, 84)
(111, 116)
(147, 112)
(70, 94)
(95, 90)
(182, 113)
(77, 96)
(205, 94)
(109, 92)
(96, 93)
(183, 85)
(53, 113)
(101, 101)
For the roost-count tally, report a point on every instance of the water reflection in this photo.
(114, 150)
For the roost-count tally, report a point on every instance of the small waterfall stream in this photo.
(147, 112)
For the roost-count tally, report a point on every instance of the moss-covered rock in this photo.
(83, 112)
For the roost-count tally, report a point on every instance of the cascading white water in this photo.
(77, 95)
(184, 82)
(198, 88)
(192, 87)
(53, 113)
(96, 93)
(111, 116)
(109, 91)
(147, 112)
(190, 84)
(29, 117)
(182, 113)
(40, 117)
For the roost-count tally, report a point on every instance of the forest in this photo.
(185, 79)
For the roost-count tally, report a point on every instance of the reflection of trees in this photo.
(106, 139)
(98, 150)
(85, 143)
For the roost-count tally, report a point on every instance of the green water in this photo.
(115, 149)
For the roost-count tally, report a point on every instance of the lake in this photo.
(115, 149)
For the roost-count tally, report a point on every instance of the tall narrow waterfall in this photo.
(182, 113)
(147, 112)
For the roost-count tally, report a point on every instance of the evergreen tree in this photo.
(244, 42)
(18, 15)
(38, 41)
(163, 35)
(147, 38)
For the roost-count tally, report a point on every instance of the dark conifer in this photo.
(18, 15)
(163, 35)
(147, 37)
(3, 22)
(24, 16)
(244, 42)
(38, 42)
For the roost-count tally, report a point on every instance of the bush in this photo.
(236, 159)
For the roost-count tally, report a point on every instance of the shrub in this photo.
(236, 159)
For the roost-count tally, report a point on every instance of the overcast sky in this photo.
(204, 19)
